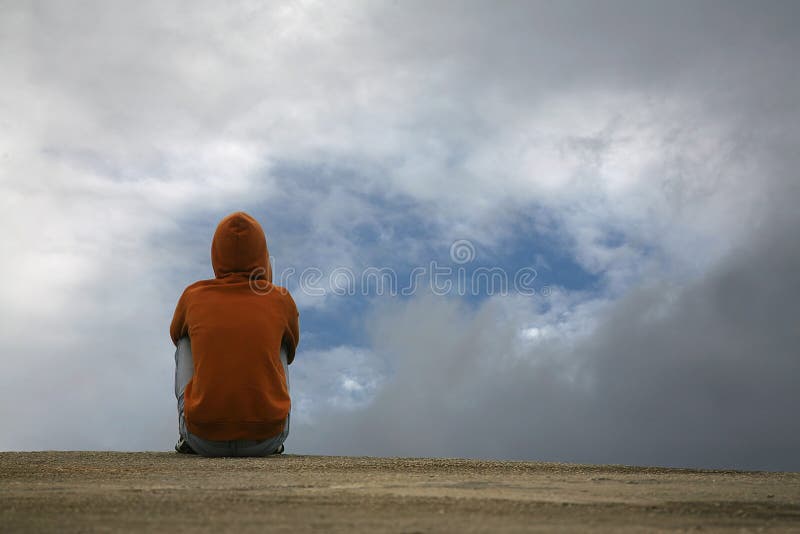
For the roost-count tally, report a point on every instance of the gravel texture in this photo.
(157, 491)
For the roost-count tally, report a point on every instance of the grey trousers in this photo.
(184, 369)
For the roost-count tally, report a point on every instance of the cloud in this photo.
(344, 378)
(700, 375)
(642, 145)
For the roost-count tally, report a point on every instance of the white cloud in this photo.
(647, 151)
(343, 377)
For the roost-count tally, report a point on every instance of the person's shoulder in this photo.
(280, 290)
(284, 294)
(200, 284)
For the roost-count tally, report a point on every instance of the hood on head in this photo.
(239, 246)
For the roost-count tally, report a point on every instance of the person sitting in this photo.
(235, 336)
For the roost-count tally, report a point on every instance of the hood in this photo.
(239, 246)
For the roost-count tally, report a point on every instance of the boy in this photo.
(235, 335)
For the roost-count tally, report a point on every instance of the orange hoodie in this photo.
(238, 390)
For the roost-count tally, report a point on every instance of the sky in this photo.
(596, 203)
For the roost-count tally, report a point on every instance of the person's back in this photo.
(231, 375)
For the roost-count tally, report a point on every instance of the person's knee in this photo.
(184, 365)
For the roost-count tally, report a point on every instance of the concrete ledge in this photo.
(155, 491)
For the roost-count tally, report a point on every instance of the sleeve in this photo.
(179, 328)
(292, 335)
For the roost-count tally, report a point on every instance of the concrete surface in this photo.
(156, 491)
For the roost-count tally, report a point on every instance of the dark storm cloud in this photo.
(695, 371)
(702, 375)
(625, 45)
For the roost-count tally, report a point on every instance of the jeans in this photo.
(184, 369)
